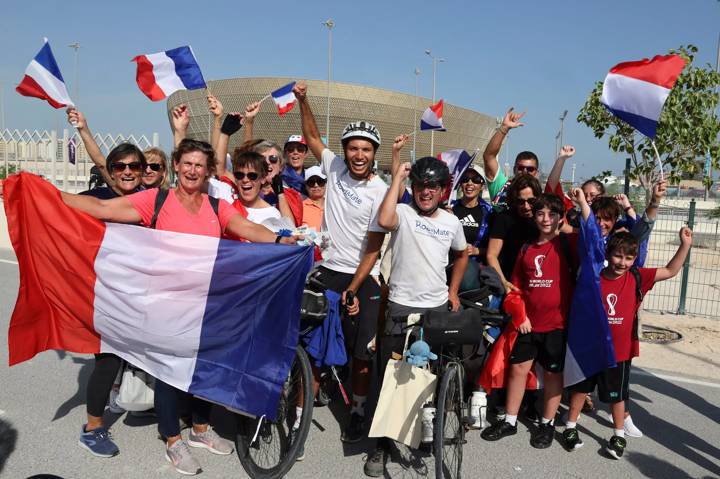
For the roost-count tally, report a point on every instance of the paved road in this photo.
(42, 401)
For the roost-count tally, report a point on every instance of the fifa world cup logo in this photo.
(611, 302)
(539, 259)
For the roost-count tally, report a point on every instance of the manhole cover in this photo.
(653, 334)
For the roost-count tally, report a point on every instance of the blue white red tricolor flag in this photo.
(43, 79)
(284, 98)
(636, 92)
(159, 75)
(457, 161)
(216, 318)
(432, 117)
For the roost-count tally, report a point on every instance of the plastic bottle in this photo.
(428, 418)
(478, 409)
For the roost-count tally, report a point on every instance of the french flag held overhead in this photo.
(43, 79)
(636, 92)
(284, 98)
(159, 75)
(216, 318)
(432, 117)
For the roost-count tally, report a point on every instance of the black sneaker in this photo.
(354, 431)
(375, 463)
(571, 439)
(301, 449)
(543, 437)
(616, 446)
(323, 398)
(498, 431)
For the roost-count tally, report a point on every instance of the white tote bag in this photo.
(405, 389)
(137, 390)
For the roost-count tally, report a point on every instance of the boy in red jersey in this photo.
(544, 272)
(622, 288)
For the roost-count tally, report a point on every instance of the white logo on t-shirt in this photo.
(611, 302)
(469, 221)
(348, 194)
(539, 260)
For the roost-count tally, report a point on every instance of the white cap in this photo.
(314, 171)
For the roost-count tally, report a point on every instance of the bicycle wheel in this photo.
(449, 432)
(272, 455)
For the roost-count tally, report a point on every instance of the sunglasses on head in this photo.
(315, 181)
(298, 148)
(119, 166)
(475, 179)
(240, 175)
(526, 169)
(154, 166)
(273, 159)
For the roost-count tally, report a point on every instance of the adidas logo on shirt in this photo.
(469, 221)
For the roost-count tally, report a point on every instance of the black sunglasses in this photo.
(315, 182)
(239, 175)
(475, 179)
(530, 201)
(154, 166)
(119, 166)
(299, 148)
(525, 169)
(273, 159)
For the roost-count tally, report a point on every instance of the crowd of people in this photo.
(530, 240)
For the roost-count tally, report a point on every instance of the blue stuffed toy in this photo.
(419, 354)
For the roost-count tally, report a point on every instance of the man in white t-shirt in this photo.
(423, 234)
(352, 199)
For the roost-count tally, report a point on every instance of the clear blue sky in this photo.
(540, 56)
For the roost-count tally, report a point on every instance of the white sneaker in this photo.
(631, 429)
(113, 406)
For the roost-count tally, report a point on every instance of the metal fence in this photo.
(46, 154)
(696, 290)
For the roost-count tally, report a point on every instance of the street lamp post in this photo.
(76, 46)
(435, 61)
(414, 154)
(559, 136)
(329, 23)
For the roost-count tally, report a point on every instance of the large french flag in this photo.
(589, 341)
(457, 161)
(216, 318)
(43, 79)
(432, 117)
(284, 98)
(159, 75)
(636, 92)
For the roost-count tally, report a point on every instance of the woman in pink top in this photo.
(186, 210)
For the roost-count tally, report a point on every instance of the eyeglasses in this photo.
(475, 179)
(298, 148)
(525, 169)
(434, 187)
(273, 159)
(315, 181)
(529, 201)
(154, 166)
(240, 175)
(119, 166)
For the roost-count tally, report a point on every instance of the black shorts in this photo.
(613, 383)
(360, 329)
(548, 348)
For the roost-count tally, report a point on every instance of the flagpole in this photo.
(208, 92)
(264, 98)
(657, 155)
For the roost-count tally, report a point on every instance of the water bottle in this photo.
(478, 410)
(428, 417)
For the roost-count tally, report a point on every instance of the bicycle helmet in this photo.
(429, 170)
(361, 129)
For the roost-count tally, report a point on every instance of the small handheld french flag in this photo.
(43, 79)
(636, 92)
(159, 75)
(432, 117)
(284, 98)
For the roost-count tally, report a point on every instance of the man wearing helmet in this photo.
(422, 236)
(352, 200)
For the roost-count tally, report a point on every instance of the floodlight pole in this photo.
(435, 61)
(329, 23)
(414, 155)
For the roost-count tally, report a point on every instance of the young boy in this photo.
(544, 273)
(621, 296)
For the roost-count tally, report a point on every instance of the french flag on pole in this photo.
(213, 317)
(432, 117)
(159, 75)
(284, 98)
(457, 161)
(636, 92)
(43, 79)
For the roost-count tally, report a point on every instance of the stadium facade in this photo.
(392, 112)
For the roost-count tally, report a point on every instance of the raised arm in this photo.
(387, 216)
(232, 123)
(556, 173)
(397, 146)
(251, 112)
(309, 126)
(676, 263)
(217, 110)
(75, 117)
(180, 121)
(578, 198)
(659, 191)
(118, 210)
(627, 207)
(490, 161)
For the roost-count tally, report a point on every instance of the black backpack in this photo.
(160, 201)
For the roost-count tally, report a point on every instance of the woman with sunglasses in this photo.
(155, 172)
(314, 204)
(249, 171)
